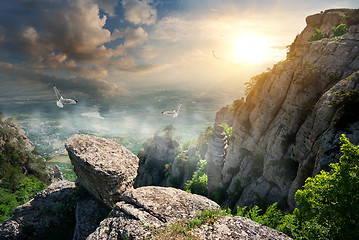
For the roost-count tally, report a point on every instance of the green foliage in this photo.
(202, 142)
(227, 129)
(340, 30)
(199, 182)
(182, 228)
(272, 216)
(328, 203)
(25, 190)
(22, 175)
(316, 36)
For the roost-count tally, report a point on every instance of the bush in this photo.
(316, 36)
(340, 30)
(199, 182)
(227, 129)
(272, 217)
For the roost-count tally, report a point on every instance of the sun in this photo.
(250, 49)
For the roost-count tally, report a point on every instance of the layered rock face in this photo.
(105, 168)
(158, 151)
(285, 130)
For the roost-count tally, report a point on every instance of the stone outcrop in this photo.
(216, 154)
(237, 228)
(50, 212)
(158, 151)
(12, 133)
(104, 168)
(285, 130)
(148, 207)
(89, 212)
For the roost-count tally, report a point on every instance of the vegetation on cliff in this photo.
(327, 204)
(22, 173)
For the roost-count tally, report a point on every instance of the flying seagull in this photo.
(214, 55)
(173, 113)
(61, 101)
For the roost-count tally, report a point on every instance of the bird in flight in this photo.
(214, 55)
(173, 113)
(61, 101)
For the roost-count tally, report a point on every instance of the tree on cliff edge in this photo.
(328, 203)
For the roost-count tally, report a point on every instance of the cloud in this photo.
(107, 6)
(67, 41)
(140, 11)
(134, 37)
(90, 87)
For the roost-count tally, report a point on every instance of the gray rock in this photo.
(237, 228)
(158, 151)
(89, 213)
(285, 131)
(148, 207)
(50, 212)
(104, 168)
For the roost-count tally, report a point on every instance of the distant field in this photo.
(65, 166)
(60, 158)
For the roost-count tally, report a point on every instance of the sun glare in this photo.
(250, 49)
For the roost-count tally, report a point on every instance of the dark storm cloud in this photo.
(66, 36)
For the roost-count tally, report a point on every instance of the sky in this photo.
(107, 49)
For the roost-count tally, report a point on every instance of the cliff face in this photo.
(285, 130)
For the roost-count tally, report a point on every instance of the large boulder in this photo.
(146, 212)
(150, 207)
(103, 167)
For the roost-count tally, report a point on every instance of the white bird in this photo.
(61, 101)
(173, 113)
(214, 56)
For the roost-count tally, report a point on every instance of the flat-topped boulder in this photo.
(103, 167)
(150, 207)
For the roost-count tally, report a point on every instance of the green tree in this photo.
(339, 30)
(328, 203)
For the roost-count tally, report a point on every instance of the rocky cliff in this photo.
(288, 127)
(31, 162)
(105, 171)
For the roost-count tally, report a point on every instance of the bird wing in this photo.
(178, 108)
(68, 101)
(58, 95)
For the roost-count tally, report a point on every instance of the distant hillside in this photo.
(22, 170)
(288, 127)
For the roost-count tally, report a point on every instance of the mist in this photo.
(134, 118)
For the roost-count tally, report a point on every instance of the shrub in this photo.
(316, 36)
(199, 182)
(227, 129)
(340, 30)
